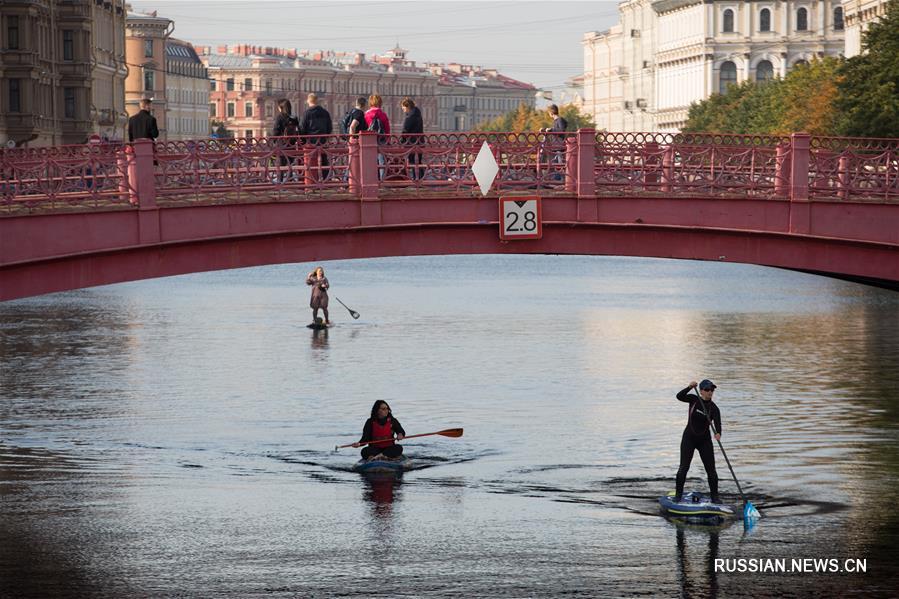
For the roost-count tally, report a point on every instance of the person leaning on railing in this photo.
(376, 121)
(414, 125)
(555, 141)
(287, 127)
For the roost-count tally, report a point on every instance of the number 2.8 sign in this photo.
(520, 218)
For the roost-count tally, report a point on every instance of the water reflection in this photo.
(696, 567)
(381, 490)
(319, 338)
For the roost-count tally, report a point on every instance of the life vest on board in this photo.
(382, 431)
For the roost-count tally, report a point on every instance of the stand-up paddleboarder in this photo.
(697, 435)
(319, 299)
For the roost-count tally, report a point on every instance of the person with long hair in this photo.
(381, 431)
(319, 300)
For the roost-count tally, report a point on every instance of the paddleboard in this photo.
(317, 327)
(695, 506)
(400, 464)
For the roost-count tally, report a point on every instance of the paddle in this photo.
(450, 432)
(353, 313)
(749, 511)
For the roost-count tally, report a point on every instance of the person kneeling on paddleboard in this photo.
(379, 431)
(697, 435)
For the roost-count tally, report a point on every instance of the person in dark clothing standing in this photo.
(143, 124)
(382, 428)
(355, 120)
(287, 126)
(319, 299)
(317, 121)
(697, 435)
(413, 123)
(560, 125)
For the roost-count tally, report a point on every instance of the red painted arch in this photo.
(59, 252)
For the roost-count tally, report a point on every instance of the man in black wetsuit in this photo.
(697, 435)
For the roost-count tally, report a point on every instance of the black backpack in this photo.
(376, 125)
(347, 121)
(292, 128)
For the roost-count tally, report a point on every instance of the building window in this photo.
(727, 76)
(269, 110)
(212, 86)
(15, 95)
(212, 109)
(231, 109)
(765, 20)
(12, 32)
(69, 96)
(838, 18)
(268, 86)
(248, 134)
(248, 109)
(68, 44)
(148, 48)
(248, 84)
(802, 19)
(764, 71)
(149, 80)
(728, 21)
(229, 84)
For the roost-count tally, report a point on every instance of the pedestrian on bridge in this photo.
(319, 299)
(143, 124)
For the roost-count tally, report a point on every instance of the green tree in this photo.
(868, 98)
(525, 118)
(804, 100)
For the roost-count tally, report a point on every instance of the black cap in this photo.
(706, 385)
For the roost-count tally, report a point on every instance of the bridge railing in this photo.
(367, 166)
(75, 177)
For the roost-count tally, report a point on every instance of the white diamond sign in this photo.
(485, 168)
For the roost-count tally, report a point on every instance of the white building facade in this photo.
(697, 48)
(858, 15)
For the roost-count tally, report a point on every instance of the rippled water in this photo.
(176, 437)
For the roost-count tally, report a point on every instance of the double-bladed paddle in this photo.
(450, 432)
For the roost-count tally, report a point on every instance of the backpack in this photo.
(347, 121)
(292, 128)
(376, 125)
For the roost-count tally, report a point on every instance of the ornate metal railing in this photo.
(65, 177)
(368, 166)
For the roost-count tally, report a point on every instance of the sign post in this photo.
(520, 218)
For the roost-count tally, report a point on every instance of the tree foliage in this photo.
(525, 118)
(868, 98)
(833, 96)
(801, 101)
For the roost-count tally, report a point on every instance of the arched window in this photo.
(764, 71)
(727, 76)
(728, 21)
(838, 18)
(802, 19)
(765, 20)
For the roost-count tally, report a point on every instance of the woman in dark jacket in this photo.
(413, 123)
(381, 427)
(286, 125)
(319, 299)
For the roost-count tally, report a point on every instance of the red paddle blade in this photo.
(451, 432)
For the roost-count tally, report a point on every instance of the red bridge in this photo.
(79, 216)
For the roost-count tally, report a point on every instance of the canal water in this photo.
(176, 437)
